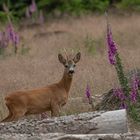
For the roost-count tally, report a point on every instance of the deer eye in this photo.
(74, 65)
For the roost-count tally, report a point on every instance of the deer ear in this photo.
(61, 59)
(77, 57)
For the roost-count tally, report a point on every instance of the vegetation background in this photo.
(74, 25)
(71, 7)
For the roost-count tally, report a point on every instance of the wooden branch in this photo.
(85, 123)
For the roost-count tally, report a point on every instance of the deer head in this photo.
(69, 62)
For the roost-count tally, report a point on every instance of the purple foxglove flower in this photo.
(133, 96)
(10, 32)
(16, 39)
(41, 17)
(123, 105)
(112, 49)
(111, 58)
(33, 7)
(88, 93)
(119, 94)
(111, 43)
(12, 35)
(27, 13)
(135, 83)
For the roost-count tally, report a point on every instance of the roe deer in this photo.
(50, 98)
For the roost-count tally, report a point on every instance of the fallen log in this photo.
(61, 136)
(84, 123)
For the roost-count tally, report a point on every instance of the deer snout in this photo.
(71, 70)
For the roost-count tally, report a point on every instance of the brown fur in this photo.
(50, 98)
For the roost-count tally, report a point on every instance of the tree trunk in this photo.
(84, 123)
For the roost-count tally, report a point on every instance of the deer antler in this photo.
(72, 52)
(66, 55)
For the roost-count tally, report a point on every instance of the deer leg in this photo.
(55, 110)
(18, 112)
(18, 115)
(9, 117)
(14, 113)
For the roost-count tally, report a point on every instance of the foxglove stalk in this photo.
(88, 93)
(27, 13)
(123, 105)
(33, 7)
(41, 17)
(134, 89)
(4, 41)
(13, 36)
(5, 8)
(10, 32)
(112, 49)
(16, 39)
(119, 94)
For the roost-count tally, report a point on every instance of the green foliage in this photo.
(3, 16)
(129, 5)
(96, 5)
(73, 7)
(122, 78)
(16, 10)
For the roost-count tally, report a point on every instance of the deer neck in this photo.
(66, 81)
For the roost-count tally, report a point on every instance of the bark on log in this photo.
(60, 136)
(85, 123)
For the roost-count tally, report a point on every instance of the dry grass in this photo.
(40, 66)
